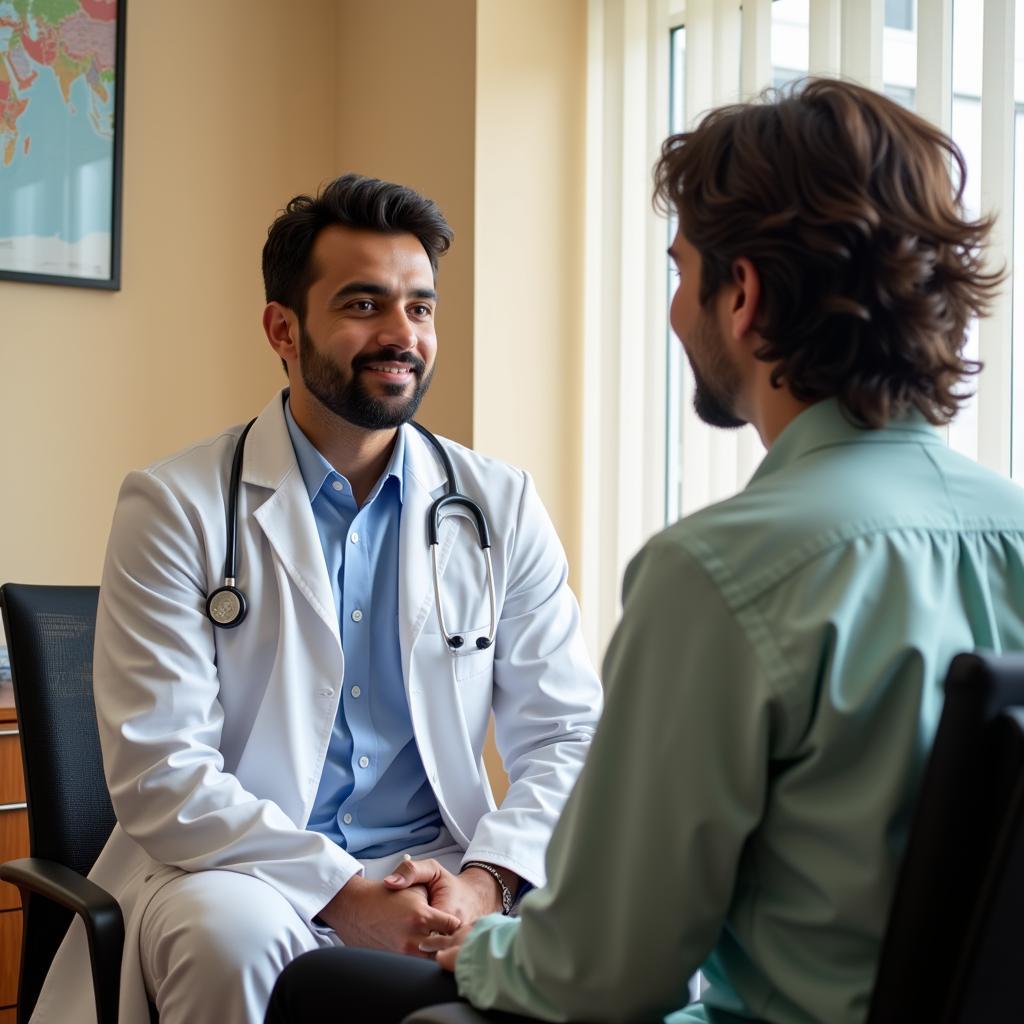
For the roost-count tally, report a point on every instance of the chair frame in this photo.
(60, 886)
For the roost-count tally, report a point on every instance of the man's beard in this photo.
(345, 395)
(716, 385)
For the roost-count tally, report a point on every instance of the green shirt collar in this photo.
(824, 424)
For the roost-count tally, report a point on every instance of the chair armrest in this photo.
(448, 1013)
(100, 913)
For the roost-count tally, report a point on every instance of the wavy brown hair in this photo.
(844, 202)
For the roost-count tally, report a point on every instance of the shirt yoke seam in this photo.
(807, 552)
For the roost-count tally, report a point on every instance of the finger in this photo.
(413, 872)
(447, 957)
(435, 920)
(435, 942)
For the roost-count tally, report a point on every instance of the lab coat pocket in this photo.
(470, 660)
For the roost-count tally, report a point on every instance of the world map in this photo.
(57, 87)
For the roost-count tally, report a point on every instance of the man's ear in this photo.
(746, 298)
(281, 326)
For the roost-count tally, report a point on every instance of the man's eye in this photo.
(362, 305)
(421, 310)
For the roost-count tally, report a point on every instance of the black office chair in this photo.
(50, 640)
(953, 951)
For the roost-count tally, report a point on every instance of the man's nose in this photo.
(398, 330)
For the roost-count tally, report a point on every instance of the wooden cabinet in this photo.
(13, 843)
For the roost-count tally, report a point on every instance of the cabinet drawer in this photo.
(9, 1016)
(13, 844)
(12, 784)
(10, 956)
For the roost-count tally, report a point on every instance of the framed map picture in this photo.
(61, 105)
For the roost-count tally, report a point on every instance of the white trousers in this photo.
(212, 943)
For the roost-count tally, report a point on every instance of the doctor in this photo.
(269, 774)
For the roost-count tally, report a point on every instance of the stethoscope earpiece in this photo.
(482, 642)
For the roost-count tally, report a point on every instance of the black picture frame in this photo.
(111, 282)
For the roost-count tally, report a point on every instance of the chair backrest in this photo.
(49, 634)
(952, 949)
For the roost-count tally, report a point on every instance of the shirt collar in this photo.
(824, 424)
(316, 470)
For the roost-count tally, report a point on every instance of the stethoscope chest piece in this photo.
(226, 606)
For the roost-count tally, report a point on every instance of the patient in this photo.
(776, 680)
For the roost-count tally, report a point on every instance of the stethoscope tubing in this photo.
(231, 554)
(226, 606)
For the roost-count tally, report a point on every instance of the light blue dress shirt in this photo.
(374, 798)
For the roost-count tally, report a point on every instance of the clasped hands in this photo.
(421, 909)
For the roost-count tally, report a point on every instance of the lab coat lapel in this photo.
(286, 517)
(424, 481)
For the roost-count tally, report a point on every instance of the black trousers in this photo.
(362, 986)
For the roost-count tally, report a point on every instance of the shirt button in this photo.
(354, 537)
(347, 818)
(364, 762)
(357, 616)
(338, 485)
(357, 692)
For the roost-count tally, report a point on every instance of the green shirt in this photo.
(772, 692)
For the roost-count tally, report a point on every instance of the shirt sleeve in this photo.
(642, 864)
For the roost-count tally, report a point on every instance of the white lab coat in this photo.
(214, 740)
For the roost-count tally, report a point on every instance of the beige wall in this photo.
(95, 383)
(528, 354)
(406, 84)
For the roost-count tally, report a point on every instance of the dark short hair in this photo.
(354, 202)
(844, 202)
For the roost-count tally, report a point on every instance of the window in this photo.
(705, 465)
(900, 14)
(656, 65)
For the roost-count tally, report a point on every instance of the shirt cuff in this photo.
(483, 959)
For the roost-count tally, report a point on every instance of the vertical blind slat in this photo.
(823, 55)
(756, 47)
(861, 45)
(994, 332)
(628, 440)
(935, 62)
(700, 48)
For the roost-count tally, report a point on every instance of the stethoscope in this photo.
(226, 606)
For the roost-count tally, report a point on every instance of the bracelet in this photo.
(506, 893)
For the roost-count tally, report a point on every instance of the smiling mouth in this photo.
(394, 371)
